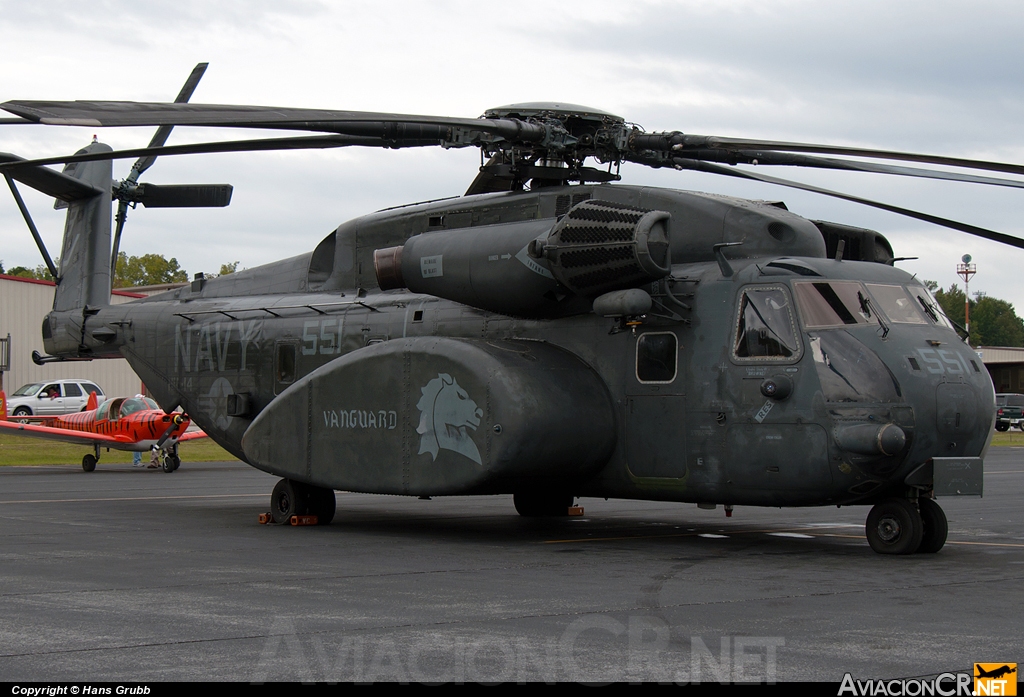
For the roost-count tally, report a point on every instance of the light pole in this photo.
(966, 270)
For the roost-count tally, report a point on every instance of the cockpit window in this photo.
(930, 306)
(896, 304)
(851, 372)
(130, 406)
(834, 304)
(765, 328)
(104, 410)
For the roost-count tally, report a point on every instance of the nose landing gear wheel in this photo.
(935, 526)
(894, 527)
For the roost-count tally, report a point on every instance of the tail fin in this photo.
(93, 403)
(3, 406)
(84, 273)
(84, 188)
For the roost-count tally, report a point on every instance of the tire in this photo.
(89, 463)
(167, 464)
(322, 504)
(289, 498)
(935, 526)
(1002, 427)
(22, 413)
(176, 461)
(894, 526)
(542, 504)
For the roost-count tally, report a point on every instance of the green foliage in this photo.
(228, 268)
(993, 321)
(40, 272)
(147, 270)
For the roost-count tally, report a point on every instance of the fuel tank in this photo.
(433, 416)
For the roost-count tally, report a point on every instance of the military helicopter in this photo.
(551, 333)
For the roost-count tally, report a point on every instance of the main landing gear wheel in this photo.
(542, 504)
(894, 527)
(935, 526)
(89, 463)
(294, 498)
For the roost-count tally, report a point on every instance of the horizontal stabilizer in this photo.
(182, 195)
(48, 181)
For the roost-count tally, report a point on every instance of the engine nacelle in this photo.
(430, 416)
(535, 268)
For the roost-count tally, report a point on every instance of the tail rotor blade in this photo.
(182, 195)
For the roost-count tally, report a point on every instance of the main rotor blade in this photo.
(761, 157)
(699, 142)
(697, 165)
(298, 143)
(104, 114)
(162, 133)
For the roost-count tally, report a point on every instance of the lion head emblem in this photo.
(446, 411)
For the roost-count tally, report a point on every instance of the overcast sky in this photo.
(931, 76)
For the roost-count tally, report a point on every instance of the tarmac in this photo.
(134, 575)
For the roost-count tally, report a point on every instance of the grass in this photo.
(19, 450)
(1011, 437)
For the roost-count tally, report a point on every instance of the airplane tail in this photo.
(3, 406)
(93, 402)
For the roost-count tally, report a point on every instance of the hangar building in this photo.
(24, 303)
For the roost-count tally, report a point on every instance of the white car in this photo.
(52, 398)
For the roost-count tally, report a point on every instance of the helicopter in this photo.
(551, 333)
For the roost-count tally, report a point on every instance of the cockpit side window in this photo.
(834, 304)
(765, 327)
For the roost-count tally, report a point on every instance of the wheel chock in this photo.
(575, 510)
(266, 518)
(304, 520)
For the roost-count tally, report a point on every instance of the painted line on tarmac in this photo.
(694, 534)
(138, 498)
(949, 542)
(776, 532)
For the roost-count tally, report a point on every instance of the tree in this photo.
(147, 270)
(40, 273)
(993, 322)
(225, 269)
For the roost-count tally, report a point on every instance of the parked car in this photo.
(52, 398)
(1009, 411)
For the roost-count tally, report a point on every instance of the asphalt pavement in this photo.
(136, 575)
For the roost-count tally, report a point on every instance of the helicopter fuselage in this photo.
(763, 374)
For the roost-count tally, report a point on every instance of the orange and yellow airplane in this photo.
(123, 423)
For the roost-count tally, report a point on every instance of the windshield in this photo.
(930, 306)
(26, 390)
(130, 406)
(833, 304)
(896, 304)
